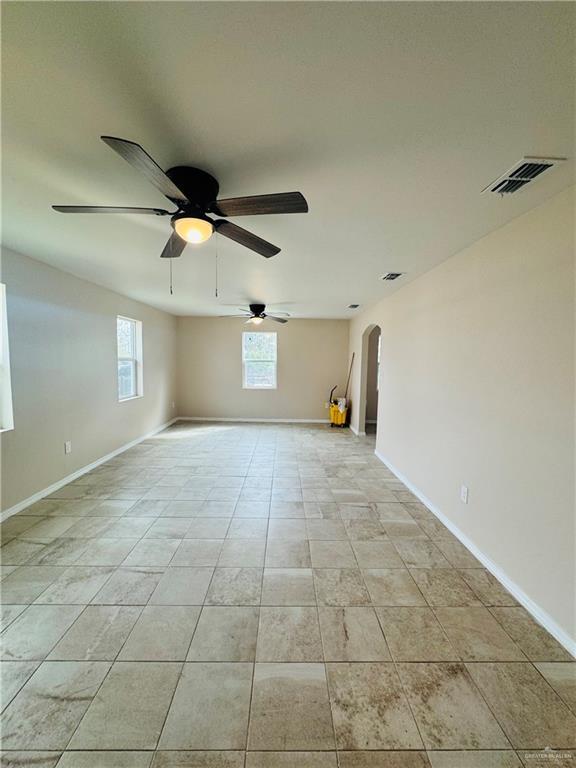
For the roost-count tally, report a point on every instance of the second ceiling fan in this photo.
(194, 192)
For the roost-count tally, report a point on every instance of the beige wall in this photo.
(62, 334)
(477, 388)
(312, 358)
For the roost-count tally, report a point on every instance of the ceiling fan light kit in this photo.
(195, 193)
(194, 229)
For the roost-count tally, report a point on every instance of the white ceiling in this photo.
(389, 117)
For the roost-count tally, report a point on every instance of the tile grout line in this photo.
(250, 698)
(169, 707)
(326, 676)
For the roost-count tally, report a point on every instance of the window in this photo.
(129, 335)
(6, 415)
(258, 360)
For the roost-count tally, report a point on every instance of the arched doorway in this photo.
(369, 380)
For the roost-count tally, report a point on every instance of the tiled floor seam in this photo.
(325, 669)
(88, 707)
(256, 645)
(172, 697)
(407, 698)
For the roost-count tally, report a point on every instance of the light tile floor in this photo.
(264, 597)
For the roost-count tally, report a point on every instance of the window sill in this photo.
(260, 388)
(127, 399)
(6, 429)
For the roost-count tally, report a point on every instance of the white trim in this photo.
(538, 613)
(356, 432)
(79, 472)
(255, 419)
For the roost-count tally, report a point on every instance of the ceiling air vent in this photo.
(525, 171)
(392, 275)
(353, 306)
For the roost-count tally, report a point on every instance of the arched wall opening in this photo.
(369, 375)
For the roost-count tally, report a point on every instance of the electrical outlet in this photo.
(68, 446)
(464, 494)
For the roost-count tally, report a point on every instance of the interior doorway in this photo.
(372, 381)
(369, 382)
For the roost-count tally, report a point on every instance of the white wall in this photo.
(477, 388)
(62, 334)
(312, 358)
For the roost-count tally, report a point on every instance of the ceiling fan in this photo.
(194, 192)
(256, 314)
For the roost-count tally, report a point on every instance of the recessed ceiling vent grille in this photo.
(392, 275)
(521, 174)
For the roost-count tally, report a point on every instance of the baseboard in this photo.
(255, 420)
(78, 473)
(538, 613)
(356, 432)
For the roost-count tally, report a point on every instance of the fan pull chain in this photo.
(171, 287)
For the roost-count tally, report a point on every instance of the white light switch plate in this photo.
(464, 494)
(68, 447)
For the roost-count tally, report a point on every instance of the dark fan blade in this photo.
(108, 209)
(141, 160)
(284, 202)
(276, 319)
(246, 238)
(173, 247)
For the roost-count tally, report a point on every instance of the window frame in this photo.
(245, 385)
(136, 361)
